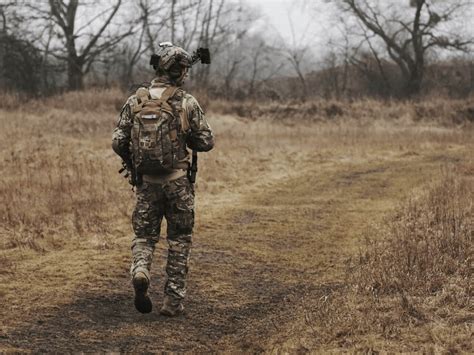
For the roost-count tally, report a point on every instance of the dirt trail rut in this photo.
(255, 261)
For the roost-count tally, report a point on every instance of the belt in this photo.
(160, 179)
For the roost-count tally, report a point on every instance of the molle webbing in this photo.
(159, 131)
(144, 98)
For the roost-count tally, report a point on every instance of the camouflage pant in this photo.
(175, 201)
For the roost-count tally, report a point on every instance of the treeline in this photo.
(367, 78)
(398, 51)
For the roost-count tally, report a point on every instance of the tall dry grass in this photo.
(58, 172)
(413, 280)
(436, 110)
(427, 246)
(54, 192)
(91, 100)
(59, 176)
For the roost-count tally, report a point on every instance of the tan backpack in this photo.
(159, 131)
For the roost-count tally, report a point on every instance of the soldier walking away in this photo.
(156, 127)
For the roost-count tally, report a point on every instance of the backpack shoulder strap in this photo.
(180, 110)
(183, 114)
(168, 93)
(163, 99)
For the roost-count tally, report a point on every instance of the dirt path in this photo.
(256, 259)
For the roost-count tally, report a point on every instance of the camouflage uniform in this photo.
(170, 195)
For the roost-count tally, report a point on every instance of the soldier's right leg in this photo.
(146, 222)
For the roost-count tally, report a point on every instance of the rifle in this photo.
(192, 170)
(133, 177)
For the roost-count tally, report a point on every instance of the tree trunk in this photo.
(304, 87)
(75, 74)
(414, 83)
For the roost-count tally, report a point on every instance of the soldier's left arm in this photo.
(200, 136)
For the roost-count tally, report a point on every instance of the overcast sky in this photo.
(299, 22)
(314, 21)
(319, 15)
(283, 14)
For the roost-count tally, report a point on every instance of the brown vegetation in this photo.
(284, 205)
(426, 247)
(437, 110)
(412, 280)
(53, 182)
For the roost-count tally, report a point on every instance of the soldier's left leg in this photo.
(179, 213)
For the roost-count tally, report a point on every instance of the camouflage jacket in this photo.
(199, 137)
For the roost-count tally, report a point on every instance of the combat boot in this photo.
(171, 307)
(142, 299)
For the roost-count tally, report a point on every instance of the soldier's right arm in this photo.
(122, 132)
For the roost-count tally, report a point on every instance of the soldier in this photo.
(154, 130)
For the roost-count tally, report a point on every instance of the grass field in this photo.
(323, 226)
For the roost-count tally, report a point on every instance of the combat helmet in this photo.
(174, 61)
(171, 60)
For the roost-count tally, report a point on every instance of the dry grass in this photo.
(56, 190)
(275, 188)
(427, 246)
(56, 171)
(435, 110)
(91, 100)
(411, 286)
(59, 173)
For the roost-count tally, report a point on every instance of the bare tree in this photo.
(190, 25)
(206, 23)
(263, 63)
(3, 16)
(21, 62)
(82, 44)
(333, 79)
(175, 21)
(211, 27)
(296, 57)
(368, 59)
(407, 41)
(296, 54)
(150, 23)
